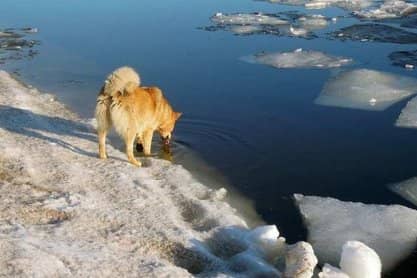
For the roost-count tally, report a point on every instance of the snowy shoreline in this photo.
(64, 212)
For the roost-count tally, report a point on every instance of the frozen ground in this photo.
(366, 89)
(298, 58)
(389, 230)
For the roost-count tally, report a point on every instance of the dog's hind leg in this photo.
(147, 141)
(102, 144)
(129, 141)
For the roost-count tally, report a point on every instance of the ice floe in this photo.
(281, 24)
(405, 59)
(366, 89)
(408, 116)
(329, 271)
(376, 32)
(298, 58)
(389, 230)
(351, 5)
(407, 189)
(389, 9)
(15, 46)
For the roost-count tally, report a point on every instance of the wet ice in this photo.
(366, 89)
(299, 58)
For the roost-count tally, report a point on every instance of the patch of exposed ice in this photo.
(366, 89)
(407, 189)
(408, 116)
(389, 230)
(389, 9)
(298, 58)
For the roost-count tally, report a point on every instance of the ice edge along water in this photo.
(66, 213)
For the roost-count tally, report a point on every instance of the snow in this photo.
(408, 116)
(389, 230)
(351, 5)
(298, 58)
(407, 189)
(366, 89)
(389, 9)
(64, 212)
(360, 261)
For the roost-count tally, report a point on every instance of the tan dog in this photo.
(135, 112)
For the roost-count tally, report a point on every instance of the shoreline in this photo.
(66, 212)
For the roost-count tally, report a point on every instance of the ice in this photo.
(360, 261)
(286, 2)
(404, 58)
(300, 260)
(313, 22)
(389, 230)
(407, 189)
(408, 116)
(389, 9)
(376, 32)
(351, 5)
(247, 19)
(329, 271)
(366, 89)
(299, 58)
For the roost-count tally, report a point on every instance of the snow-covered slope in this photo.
(64, 212)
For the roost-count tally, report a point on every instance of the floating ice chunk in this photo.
(300, 260)
(287, 2)
(351, 5)
(407, 189)
(313, 22)
(406, 59)
(408, 116)
(376, 32)
(366, 89)
(247, 19)
(360, 261)
(299, 58)
(298, 31)
(389, 230)
(329, 271)
(389, 9)
(245, 29)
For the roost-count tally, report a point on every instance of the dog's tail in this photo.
(118, 79)
(121, 80)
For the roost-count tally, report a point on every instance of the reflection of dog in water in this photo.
(134, 111)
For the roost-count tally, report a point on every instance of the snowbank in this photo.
(298, 59)
(389, 230)
(366, 89)
(64, 212)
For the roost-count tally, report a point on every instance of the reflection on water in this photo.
(254, 127)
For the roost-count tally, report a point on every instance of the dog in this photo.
(135, 112)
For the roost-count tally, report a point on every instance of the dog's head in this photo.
(166, 128)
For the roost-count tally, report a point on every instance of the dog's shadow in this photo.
(34, 125)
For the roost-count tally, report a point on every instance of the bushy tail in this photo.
(117, 80)
(124, 78)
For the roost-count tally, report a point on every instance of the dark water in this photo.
(256, 125)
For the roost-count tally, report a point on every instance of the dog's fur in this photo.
(134, 111)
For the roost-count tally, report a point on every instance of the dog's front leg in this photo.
(147, 141)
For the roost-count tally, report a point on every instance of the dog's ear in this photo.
(177, 115)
